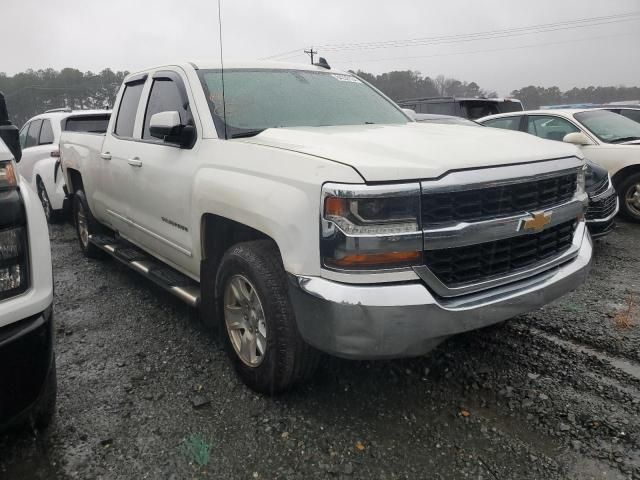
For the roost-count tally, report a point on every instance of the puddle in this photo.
(627, 366)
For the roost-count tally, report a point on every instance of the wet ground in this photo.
(145, 393)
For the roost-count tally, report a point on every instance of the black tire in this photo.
(82, 213)
(53, 216)
(46, 409)
(287, 359)
(626, 188)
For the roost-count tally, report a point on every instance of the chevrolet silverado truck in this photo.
(303, 211)
(27, 365)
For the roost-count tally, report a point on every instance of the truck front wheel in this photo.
(258, 324)
(85, 225)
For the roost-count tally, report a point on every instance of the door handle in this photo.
(105, 156)
(135, 162)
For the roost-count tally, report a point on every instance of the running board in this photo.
(174, 282)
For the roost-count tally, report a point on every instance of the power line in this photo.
(503, 33)
(481, 51)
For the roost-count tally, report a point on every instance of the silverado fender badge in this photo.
(536, 222)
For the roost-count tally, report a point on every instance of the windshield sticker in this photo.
(345, 78)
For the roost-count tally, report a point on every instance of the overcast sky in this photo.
(131, 35)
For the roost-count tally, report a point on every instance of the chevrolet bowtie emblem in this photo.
(536, 222)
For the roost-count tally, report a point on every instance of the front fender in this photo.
(283, 202)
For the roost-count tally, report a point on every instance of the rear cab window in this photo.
(126, 119)
(86, 123)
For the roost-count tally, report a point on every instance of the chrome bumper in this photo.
(404, 320)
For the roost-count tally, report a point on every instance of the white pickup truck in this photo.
(301, 210)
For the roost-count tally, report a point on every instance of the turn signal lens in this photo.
(8, 178)
(378, 259)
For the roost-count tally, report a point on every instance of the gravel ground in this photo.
(145, 393)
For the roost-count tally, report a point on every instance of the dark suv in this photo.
(470, 108)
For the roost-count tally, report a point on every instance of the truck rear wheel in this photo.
(86, 225)
(629, 194)
(258, 325)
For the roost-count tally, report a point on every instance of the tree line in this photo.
(402, 85)
(34, 91)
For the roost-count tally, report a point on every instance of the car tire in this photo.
(46, 409)
(629, 195)
(269, 321)
(86, 225)
(53, 216)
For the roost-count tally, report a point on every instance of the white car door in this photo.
(110, 194)
(162, 173)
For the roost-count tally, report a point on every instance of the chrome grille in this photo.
(476, 263)
(497, 201)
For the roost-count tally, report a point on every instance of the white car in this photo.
(606, 138)
(27, 363)
(40, 166)
(303, 210)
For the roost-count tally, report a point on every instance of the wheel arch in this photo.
(623, 173)
(218, 234)
(74, 180)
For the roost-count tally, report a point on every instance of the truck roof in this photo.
(61, 114)
(240, 64)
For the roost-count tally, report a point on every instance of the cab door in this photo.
(162, 173)
(111, 191)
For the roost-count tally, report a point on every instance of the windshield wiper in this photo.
(624, 139)
(248, 133)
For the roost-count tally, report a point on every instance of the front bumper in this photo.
(26, 357)
(405, 320)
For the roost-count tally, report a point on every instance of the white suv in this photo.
(40, 164)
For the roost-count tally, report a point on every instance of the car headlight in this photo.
(370, 227)
(13, 262)
(8, 177)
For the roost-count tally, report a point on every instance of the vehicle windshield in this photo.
(262, 98)
(609, 127)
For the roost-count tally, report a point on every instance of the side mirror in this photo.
(577, 138)
(410, 113)
(168, 127)
(11, 138)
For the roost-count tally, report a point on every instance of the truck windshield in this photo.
(262, 98)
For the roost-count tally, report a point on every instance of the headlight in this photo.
(8, 178)
(370, 227)
(13, 262)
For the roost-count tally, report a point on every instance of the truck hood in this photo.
(413, 150)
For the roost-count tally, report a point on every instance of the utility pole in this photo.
(311, 53)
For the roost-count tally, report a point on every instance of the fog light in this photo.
(13, 262)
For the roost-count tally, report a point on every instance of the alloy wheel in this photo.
(245, 320)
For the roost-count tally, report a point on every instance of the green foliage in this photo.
(32, 92)
(197, 449)
(401, 85)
